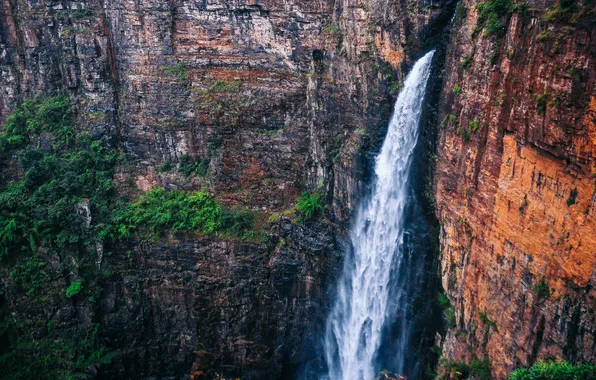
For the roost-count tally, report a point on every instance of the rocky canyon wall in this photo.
(271, 98)
(515, 183)
(275, 98)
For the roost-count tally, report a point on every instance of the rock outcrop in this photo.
(514, 183)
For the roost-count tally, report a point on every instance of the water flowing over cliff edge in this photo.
(256, 102)
(355, 326)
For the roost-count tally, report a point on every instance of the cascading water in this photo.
(356, 323)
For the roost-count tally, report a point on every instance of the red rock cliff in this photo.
(515, 184)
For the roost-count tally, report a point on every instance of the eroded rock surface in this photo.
(515, 188)
(272, 98)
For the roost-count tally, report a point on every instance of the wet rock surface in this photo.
(217, 307)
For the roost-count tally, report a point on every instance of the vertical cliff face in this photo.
(515, 187)
(221, 81)
(270, 99)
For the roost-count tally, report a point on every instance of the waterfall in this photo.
(355, 324)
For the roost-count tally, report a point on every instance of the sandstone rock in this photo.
(516, 200)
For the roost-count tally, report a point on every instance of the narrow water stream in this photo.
(367, 294)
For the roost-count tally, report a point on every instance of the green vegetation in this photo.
(214, 100)
(449, 315)
(541, 103)
(563, 12)
(375, 69)
(448, 310)
(31, 275)
(457, 89)
(238, 223)
(310, 205)
(572, 197)
(474, 125)
(55, 358)
(45, 215)
(43, 208)
(465, 134)
(460, 13)
(457, 370)
(444, 301)
(480, 369)
(188, 166)
(73, 289)
(165, 166)
(62, 207)
(178, 70)
(467, 64)
(449, 120)
(542, 290)
(559, 370)
(544, 36)
(36, 116)
(394, 88)
(493, 16)
(489, 323)
(332, 29)
(161, 211)
(81, 13)
(223, 86)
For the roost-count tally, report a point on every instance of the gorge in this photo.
(184, 184)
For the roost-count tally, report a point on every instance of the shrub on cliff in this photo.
(480, 369)
(160, 211)
(54, 217)
(448, 310)
(188, 166)
(34, 117)
(559, 370)
(493, 16)
(310, 205)
(59, 208)
(73, 289)
(572, 197)
(564, 12)
(44, 208)
(542, 290)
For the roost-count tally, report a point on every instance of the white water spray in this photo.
(355, 325)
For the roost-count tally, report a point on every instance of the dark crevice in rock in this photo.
(113, 66)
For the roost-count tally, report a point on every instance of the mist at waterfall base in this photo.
(375, 323)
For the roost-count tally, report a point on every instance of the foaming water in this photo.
(355, 324)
